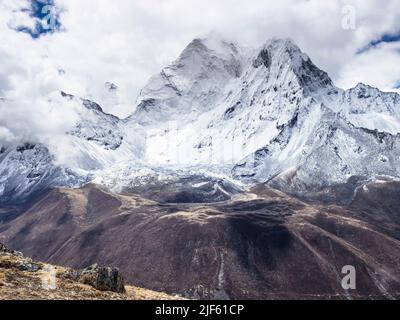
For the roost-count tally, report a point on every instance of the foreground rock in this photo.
(103, 278)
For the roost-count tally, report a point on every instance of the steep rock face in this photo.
(191, 84)
(102, 129)
(310, 155)
(95, 125)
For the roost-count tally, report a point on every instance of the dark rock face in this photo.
(103, 278)
(260, 245)
(104, 130)
(263, 59)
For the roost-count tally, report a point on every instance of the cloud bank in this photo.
(125, 42)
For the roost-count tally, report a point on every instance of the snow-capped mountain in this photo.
(370, 108)
(95, 142)
(191, 85)
(255, 116)
(27, 169)
(231, 104)
(276, 117)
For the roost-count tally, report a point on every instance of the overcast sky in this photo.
(127, 41)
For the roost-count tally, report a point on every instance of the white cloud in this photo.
(127, 41)
(5, 135)
(378, 67)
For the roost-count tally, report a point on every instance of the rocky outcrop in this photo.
(23, 279)
(3, 248)
(100, 278)
(21, 263)
(103, 278)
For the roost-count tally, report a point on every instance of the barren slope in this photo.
(23, 279)
(261, 244)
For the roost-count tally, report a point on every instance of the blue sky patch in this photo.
(397, 85)
(386, 38)
(47, 15)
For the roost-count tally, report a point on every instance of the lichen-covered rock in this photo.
(28, 265)
(103, 278)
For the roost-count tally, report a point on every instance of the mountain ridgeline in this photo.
(253, 116)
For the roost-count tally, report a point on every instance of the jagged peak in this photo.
(110, 86)
(362, 87)
(195, 45)
(211, 45)
(88, 104)
(283, 49)
(363, 90)
(281, 43)
(279, 53)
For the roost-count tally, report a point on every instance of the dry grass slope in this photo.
(23, 279)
